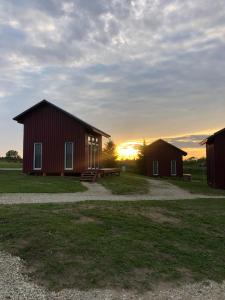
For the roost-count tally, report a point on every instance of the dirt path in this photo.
(163, 189)
(95, 189)
(15, 285)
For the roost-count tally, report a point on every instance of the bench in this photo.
(187, 177)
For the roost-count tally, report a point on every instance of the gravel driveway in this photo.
(15, 285)
(159, 190)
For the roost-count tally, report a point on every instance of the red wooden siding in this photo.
(164, 153)
(215, 153)
(53, 128)
(210, 164)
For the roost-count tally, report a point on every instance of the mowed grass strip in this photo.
(133, 245)
(125, 184)
(5, 164)
(17, 182)
(198, 185)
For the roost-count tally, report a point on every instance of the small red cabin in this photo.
(215, 159)
(56, 142)
(164, 159)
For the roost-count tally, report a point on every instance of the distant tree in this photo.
(202, 160)
(141, 160)
(12, 155)
(109, 156)
(192, 159)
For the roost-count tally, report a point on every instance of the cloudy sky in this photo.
(135, 69)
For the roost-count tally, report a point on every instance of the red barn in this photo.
(215, 159)
(164, 159)
(56, 142)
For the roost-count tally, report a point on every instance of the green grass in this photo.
(125, 184)
(198, 185)
(17, 182)
(134, 245)
(10, 164)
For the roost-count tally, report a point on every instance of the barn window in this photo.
(68, 156)
(173, 167)
(37, 156)
(93, 152)
(155, 167)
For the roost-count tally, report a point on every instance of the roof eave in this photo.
(19, 118)
(202, 143)
(106, 135)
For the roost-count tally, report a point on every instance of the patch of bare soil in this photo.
(84, 219)
(157, 214)
(161, 218)
(186, 274)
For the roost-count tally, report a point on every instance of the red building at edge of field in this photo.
(164, 159)
(215, 159)
(56, 142)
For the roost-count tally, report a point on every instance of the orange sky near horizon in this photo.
(130, 149)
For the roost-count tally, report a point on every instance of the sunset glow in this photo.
(130, 149)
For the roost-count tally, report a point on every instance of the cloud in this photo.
(188, 141)
(134, 68)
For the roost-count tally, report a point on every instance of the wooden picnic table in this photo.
(109, 171)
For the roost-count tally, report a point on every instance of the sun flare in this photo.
(128, 150)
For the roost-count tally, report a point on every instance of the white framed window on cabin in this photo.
(68, 163)
(155, 168)
(173, 167)
(37, 162)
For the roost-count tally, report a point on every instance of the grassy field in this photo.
(17, 182)
(10, 164)
(198, 185)
(134, 245)
(125, 184)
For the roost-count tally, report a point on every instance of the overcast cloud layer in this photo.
(135, 69)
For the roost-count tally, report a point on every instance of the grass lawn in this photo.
(125, 184)
(17, 182)
(132, 245)
(10, 164)
(198, 185)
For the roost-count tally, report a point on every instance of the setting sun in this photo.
(128, 150)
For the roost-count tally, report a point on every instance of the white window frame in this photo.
(34, 157)
(65, 168)
(93, 163)
(171, 167)
(153, 169)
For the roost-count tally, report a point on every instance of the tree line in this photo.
(12, 155)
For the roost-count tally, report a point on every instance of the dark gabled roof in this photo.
(162, 141)
(21, 116)
(211, 138)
